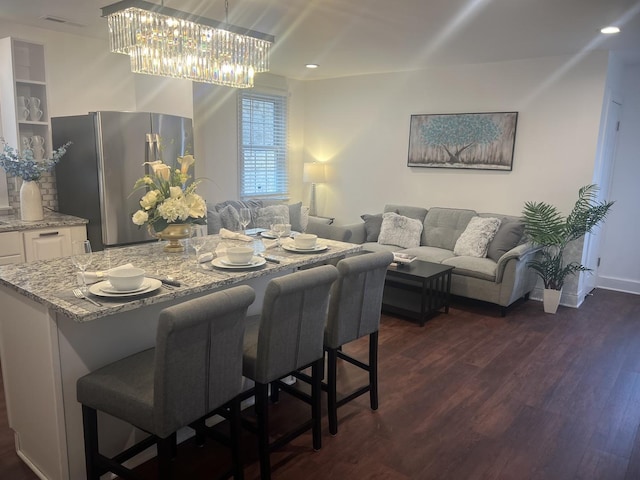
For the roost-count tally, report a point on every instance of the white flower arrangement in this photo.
(169, 199)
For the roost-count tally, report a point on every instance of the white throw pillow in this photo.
(475, 239)
(399, 230)
(266, 215)
(304, 218)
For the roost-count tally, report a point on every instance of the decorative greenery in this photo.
(168, 198)
(546, 227)
(24, 165)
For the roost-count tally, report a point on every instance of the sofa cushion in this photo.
(372, 225)
(378, 247)
(230, 218)
(252, 205)
(266, 215)
(443, 226)
(400, 230)
(482, 268)
(429, 254)
(407, 211)
(475, 239)
(507, 237)
(214, 222)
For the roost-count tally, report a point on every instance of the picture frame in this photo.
(479, 141)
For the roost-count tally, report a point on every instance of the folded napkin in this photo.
(268, 244)
(205, 257)
(228, 234)
(93, 277)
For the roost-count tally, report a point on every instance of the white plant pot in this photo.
(30, 202)
(551, 300)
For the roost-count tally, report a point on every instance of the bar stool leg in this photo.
(316, 406)
(262, 412)
(236, 439)
(166, 451)
(90, 426)
(332, 390)
(373, 370)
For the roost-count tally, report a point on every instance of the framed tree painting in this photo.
(483, 141)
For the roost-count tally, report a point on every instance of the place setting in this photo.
(237, 258)
(304, 243)
(125, 282)
(122, 282)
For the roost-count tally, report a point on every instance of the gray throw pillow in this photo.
(508, 236)
(214, 222)
(372, 226)
(230, 218)
(399, 230)
(295, 217)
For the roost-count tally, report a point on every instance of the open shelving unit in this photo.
(22, 74)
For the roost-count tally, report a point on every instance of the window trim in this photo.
(279, 147)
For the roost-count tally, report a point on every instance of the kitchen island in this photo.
(49, 338)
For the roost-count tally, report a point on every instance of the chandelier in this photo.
(171, 43)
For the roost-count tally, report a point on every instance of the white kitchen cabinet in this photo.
(11, 250)
(47, 243)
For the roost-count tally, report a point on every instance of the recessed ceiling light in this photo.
(610, 30)
(312, 65)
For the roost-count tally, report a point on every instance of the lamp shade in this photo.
(314, 173)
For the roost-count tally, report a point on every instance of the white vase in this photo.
(551, 300)
(30, 202)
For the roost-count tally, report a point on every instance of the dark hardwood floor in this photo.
(469, 396)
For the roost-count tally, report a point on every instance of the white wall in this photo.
(620, 261)
(216, 121)
(360, 126)
(83, 76)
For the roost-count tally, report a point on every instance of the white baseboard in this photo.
(619, 284)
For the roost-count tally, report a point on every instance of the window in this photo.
(262, 125)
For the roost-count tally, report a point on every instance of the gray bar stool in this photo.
(354, 311)
(286, 337)
(194, 369)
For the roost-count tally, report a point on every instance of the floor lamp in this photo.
(313, 173)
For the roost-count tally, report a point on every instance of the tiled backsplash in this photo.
(48, 190)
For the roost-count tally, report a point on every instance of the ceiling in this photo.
(351, 37)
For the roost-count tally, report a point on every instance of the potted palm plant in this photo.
(546, 227)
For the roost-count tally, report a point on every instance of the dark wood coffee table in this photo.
(417, 290)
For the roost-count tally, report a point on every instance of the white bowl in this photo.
(126, 278)
(305, 241)
(240, 255)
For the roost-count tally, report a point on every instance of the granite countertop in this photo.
(12, 223)
(50, 282)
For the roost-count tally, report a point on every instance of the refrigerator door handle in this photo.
(149, 152)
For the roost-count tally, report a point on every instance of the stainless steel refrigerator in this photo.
(96, 176)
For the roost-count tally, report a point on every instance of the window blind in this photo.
(262, 142)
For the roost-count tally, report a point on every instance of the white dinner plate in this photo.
(270, 234)
(106, 287)
(292, 248)
(98, 289)
(223, 262)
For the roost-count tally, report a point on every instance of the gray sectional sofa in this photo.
(226, 215)
(501, 277)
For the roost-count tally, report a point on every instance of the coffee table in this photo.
(417, 290)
